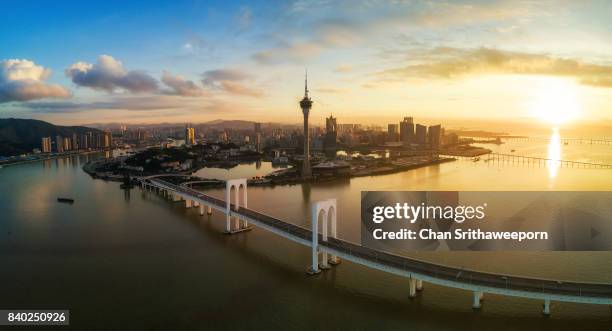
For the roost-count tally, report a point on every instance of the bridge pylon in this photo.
(326, 211)
(238, 185)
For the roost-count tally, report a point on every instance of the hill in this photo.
(19, 136)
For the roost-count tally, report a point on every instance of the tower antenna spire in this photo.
(306, 83)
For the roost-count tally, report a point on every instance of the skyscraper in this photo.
(306, 105)
(189, 136)
(392, 132)
(75, 142)
(331, 134)
(67, 144)
(46, 145)
(421, 134)
(107, 139)
(59, 144)
(407, 130)
(435, 135)
(257, 128)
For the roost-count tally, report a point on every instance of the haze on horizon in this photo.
(546, 62)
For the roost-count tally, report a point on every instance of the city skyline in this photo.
(194, 62)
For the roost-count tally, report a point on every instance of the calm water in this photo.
(127, 259)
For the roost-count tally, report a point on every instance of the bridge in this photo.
(541, 162)
(568, 140)
(327, 250)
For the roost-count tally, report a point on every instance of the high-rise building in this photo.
(107, 139)
(421, 134)
(257, 128)
(435, 136)
(306, 105)
(407, 130)
(67, 144)
(189, 136)
(59, 144)
(331, 134)
(45, 146)
(75, 142)
(84, 143)
(392, 132)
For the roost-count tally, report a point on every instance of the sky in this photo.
(368, 61)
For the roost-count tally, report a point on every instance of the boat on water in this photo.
(65, 200)
(512, 151)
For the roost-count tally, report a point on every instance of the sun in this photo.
(555, 101)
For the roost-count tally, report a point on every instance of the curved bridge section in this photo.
(417, 271)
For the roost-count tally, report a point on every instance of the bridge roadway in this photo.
(478, 282)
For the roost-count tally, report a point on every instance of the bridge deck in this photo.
(470, 278)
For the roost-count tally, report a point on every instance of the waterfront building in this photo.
(84, 143)
(392, 132)
(407, 131)
(46, 145)
(75, 142)
(257, 129)
(331, 134)
(107, 139)
(421, 134)
(306, 105)
(67, 144)
(435, 136)
(59, 144)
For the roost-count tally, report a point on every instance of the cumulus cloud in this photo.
(446, 62)
(108, 74)
(178, 85)
(22, 80)
(232, 81)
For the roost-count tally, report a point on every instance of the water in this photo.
(128, 259)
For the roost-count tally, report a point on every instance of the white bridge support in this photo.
(546, 308)
(326, 212)
(415, 285)
(237, 185)
(477, 299)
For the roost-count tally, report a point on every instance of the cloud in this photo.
(125, 103)
(178, 85)
(331, 90)
(447, 62)
(332, 25)
(232, 81)
(298, 52)
(22, 80)
(108, 74)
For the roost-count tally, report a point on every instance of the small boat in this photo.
(476, 159)
(512, 151)
(65, 200)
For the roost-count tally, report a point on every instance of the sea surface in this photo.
(128, 259)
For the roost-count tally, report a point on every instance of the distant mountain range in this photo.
(19, 136)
